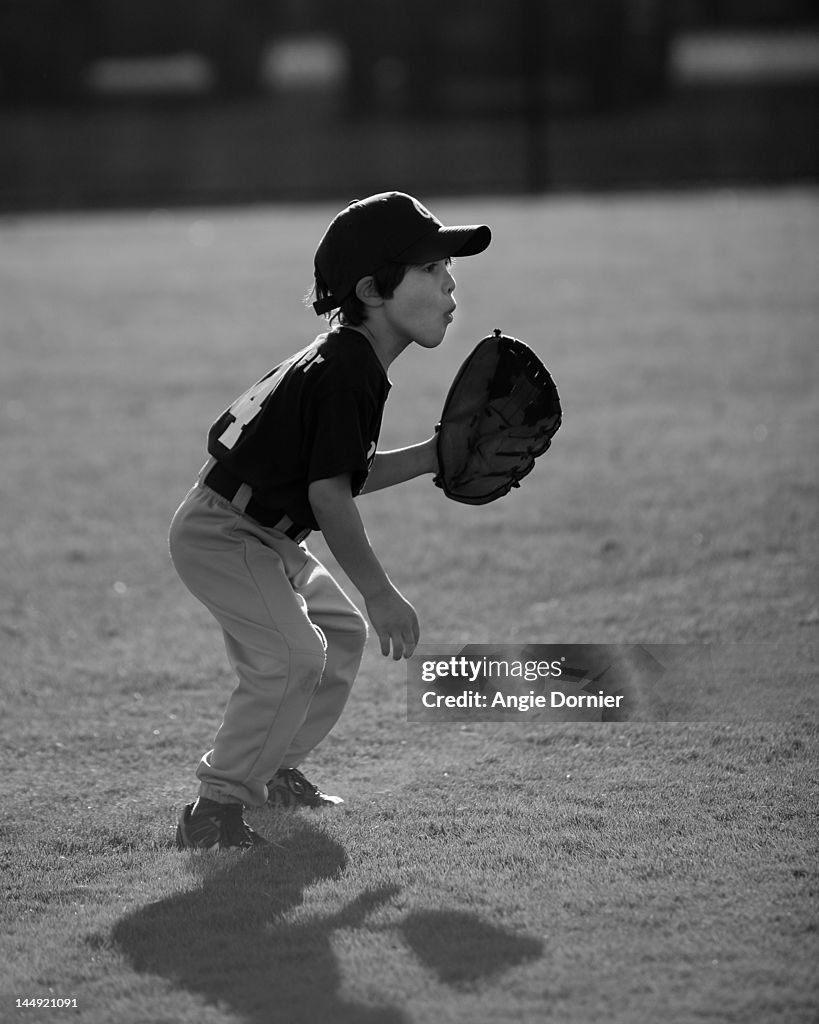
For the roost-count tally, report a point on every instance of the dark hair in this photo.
(352, 311)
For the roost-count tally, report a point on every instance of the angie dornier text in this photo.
(522, 701)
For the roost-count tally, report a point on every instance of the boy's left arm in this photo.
(390, 468)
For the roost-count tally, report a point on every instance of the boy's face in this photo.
(422, 306)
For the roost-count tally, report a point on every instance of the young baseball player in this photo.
(288, 457)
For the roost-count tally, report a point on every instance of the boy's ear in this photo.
(367, 292)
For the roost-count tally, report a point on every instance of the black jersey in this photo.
(314, 416)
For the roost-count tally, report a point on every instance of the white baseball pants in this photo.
(293, 638)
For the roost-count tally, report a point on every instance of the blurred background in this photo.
(134, 103)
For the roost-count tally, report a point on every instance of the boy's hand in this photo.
(392, 616)
(395, 622)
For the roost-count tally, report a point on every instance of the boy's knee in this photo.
(347, 639)
(307, 667)
(349, 629)
(359, 630)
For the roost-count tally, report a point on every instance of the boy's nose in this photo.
(449, 285)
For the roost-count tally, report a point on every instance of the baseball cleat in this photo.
(219, 827)
(288, 789)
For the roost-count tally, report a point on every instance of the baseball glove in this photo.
(501, 413)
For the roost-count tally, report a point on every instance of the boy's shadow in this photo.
(230, 940)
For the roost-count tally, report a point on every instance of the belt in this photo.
(240, 495)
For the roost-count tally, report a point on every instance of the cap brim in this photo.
(464, 240)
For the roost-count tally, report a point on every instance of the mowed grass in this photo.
(572, 873)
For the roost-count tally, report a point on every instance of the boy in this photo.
(290, 456)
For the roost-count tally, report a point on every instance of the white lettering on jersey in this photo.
(247, 407)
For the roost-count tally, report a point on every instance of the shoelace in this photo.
(236, 832)
(299, 784)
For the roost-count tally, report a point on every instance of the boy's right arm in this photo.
(392, 616)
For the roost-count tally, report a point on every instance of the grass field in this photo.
(572, 873)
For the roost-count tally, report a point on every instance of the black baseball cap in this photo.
(390, 227)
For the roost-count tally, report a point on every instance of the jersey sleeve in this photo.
(342, 438)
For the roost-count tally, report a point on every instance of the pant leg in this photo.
(243, 574)
(345, 631)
